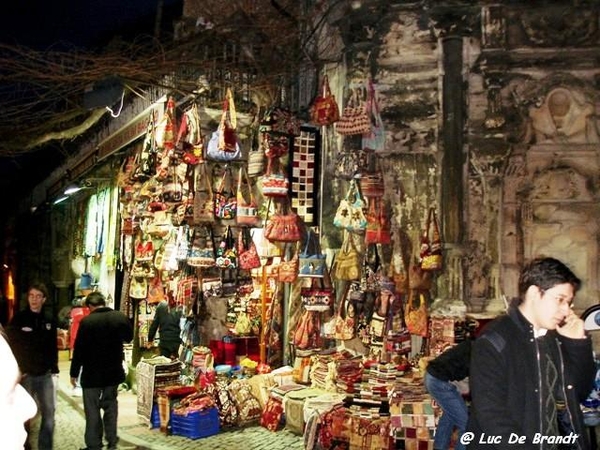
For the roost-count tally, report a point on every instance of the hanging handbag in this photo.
(285, 226)
(247, 212)
(203, 205)
(307, 331)
(225, 198)
(398, 271)
(164, 134)
(344, 321)
(138, 288)
(419, 279)
(375, 140)
(312, 262)
(324, 110)
(371, 182)
(350, 164)
(354, 119)
(172, 190)
(223, 144)
(248, 257)
(287, 271)
(416, 317)
(280, 120)
(190, 139)
(347, 262)
(156, 291)
(319, 296)
(227, 251)
(349, 214)
(378, 231)
(256, 158)
(431, 244)
(202, 250)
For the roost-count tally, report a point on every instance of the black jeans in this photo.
(97, 425)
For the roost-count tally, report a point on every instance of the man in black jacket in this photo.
(166, 322)
(98, 356)
(32, 337)
(531, 368)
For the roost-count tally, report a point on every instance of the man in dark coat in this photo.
(531, 368)
(166, 322)
(32, 337)
(98, 357)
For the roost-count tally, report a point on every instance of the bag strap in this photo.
(326, 90)
(204, 179)
(243, 177)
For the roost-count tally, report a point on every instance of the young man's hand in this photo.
(572, 327)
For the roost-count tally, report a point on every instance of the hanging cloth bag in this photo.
(223, 144)
(247, 211)
(225, 197)
(312, 262)
(203, 206)
(416, 316)
(227, 251)
(354, 119)
(431, 244)
(324, 110)
(378, 231)
(375, 140)
(349, 214)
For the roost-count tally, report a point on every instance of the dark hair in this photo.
(546, 273)
(95, 299)
(38, 286)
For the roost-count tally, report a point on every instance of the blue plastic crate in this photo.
(197, 424)
(154, 417)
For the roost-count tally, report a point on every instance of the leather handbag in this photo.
(354, 119)
(349, 214)
(419, 279)
(225, 198)
(247, 211)
(324, 109)
(431, 244)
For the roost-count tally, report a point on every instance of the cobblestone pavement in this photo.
(70, 425)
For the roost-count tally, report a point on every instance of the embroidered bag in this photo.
(312, 261)
(431, 244)
(354, 118)
(349, 214)
(225, 198)
(227, 251)
(288, 270)
(202, 251)
(324, 110)
(416, 317)
(247, 254)
(344, 322)
(247, 212)
(318, 297)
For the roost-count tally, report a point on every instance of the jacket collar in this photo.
(523, 324)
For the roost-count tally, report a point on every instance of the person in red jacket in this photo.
(98, 358)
